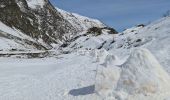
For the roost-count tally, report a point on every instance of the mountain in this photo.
(40, 20)
(79, 22)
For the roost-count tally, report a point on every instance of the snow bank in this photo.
(140, 77)
(106, 80)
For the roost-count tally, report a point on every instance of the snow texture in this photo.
(35, 3)
(80, 22)
(8, 44)
(155, 37)
(140, 77)
(108, 71)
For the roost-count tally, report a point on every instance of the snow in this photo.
(91, 42)
(107, 66)
(21, 5)
(7, 29)
(13, 31)
(12, 38)
(46, 79)
(80, 22)
(140, 77)
(35, 3)
(8, 43)
(106, 80)
(61, 77)
(146, 76)
(154, 37)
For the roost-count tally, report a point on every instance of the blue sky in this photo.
(119, 14)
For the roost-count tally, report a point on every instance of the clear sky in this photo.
(119, 14)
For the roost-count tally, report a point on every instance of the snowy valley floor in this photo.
(67, 77)
(86, 76)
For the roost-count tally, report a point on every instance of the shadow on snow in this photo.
(82, 91)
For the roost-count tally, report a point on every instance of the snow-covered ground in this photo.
(60, 78)
(81, 76)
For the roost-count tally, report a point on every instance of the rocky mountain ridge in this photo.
(43, 22)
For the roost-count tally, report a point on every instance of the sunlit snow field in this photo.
(47, 78)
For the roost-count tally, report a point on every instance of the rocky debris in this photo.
(25, 54)
(98, 31)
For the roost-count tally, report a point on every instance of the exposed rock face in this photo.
(98, 31)
(140, 77)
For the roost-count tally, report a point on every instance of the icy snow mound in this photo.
(140, 77)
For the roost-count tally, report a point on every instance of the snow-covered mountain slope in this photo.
(89, 41)
(80, 22)
(155, 37)
(41, 21)
(13, 39)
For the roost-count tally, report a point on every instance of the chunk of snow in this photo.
(99, 55)
(35, 3)
(106, 80)
(141, 76)
(2, 6)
